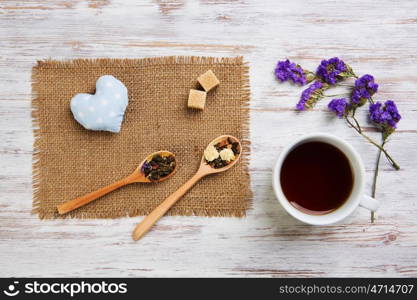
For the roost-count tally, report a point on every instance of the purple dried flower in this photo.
(287, 70)
(146, 166)
(364, 88)
(333, 70)
(310, 95)
(386, 116)
(339, 107)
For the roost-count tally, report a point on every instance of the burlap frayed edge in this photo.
(36, 176)
(139, 212)
(245, 159)
(49, 63)
(137, 62)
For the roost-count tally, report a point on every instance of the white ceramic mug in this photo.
(356, 198)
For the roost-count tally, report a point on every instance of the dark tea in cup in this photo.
(316, 177)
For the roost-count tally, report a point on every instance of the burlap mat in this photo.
(70, 161)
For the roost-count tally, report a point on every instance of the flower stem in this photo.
(376, 177)
(356, 121)
(390, 159)
(371, 100)
(335, 95)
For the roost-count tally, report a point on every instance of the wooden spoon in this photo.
(205, 169)
(136, 176)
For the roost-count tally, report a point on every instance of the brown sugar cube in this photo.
(208, 80)
(197, 99)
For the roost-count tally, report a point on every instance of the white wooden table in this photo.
(374, 37)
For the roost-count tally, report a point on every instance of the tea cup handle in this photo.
(369, 203)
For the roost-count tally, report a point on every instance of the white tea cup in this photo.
(356, 197)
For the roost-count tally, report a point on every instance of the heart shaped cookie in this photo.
(105, 109)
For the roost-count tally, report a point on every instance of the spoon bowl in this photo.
(211, 170)
(204, 169)
(137, 176)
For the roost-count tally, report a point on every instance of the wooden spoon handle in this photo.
(83, 200)
(143, 227)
